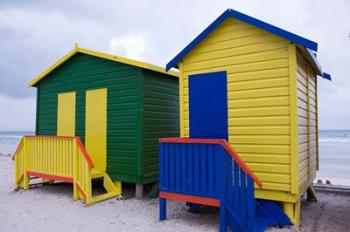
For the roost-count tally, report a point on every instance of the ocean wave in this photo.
(335, 140)
(6, 154)
(11, 136)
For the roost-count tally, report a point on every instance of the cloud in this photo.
(133, 46)
(17, 114)
(32, 40)
(34, 34)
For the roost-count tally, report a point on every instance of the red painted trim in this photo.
(84, 151)
(50, 177)
(224, 144)
(81, 190)
(189, 198)
(54, 177)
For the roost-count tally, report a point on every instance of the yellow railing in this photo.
(54, 158)
(20, 166)
(82, 174)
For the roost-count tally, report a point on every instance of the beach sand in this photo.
(51, 208)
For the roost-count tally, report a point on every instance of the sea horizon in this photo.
(334, 152)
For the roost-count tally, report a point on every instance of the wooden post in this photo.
(139, 191)
(76, 195)
(250, 204)
(311, 194)
(162, 209)
(222, 179)
(26, 165)
(18, 182)
(297, 207)
(223, 226)
(118, 186)
(293, 211)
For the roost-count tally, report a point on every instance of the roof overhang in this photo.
(119, 59)
(312, 59)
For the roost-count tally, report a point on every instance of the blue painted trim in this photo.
(247, 19)
(327, 76)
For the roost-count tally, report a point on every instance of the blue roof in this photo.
(308, 44)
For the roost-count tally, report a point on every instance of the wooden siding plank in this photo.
(259, 130)
(262, 139)
(260, 121)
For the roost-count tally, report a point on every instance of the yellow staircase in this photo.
(61, 158)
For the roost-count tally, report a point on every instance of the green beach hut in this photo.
(118, 107)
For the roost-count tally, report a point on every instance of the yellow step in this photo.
(104, 197)
(97, 174)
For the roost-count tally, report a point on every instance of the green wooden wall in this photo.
(131, 156)
(160, 118)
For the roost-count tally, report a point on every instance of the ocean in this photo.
(334, 150)
(10, 139)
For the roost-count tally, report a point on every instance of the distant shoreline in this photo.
(3, 154)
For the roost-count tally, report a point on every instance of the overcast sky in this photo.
(35, 34)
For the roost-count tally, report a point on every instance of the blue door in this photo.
(208, 105)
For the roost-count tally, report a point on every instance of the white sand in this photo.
(52, 208)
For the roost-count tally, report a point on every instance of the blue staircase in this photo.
(269, 213)
(210, 172)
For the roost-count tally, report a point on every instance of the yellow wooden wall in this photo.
(257, 63)
(307, 122)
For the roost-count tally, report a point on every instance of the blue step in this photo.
(269, 213)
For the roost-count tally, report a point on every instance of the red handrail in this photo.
(84, 151)
(224, 144)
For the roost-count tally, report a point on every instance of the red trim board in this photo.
(189, 198)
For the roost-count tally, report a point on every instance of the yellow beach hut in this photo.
(271, 100)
